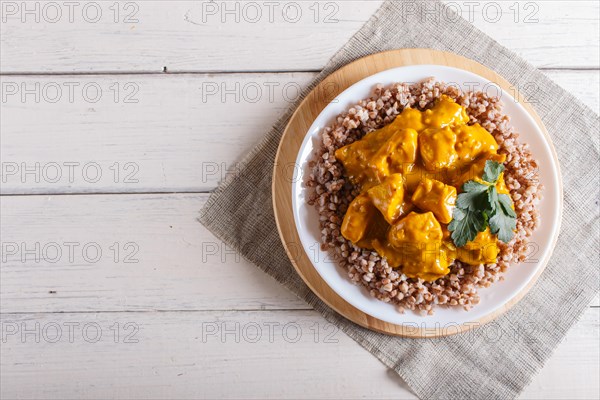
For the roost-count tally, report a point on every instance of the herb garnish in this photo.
(480, 205)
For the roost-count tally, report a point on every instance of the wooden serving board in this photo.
(290, 144)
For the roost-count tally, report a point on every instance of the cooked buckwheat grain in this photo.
(331, 193)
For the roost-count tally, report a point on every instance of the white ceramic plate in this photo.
(517, 277)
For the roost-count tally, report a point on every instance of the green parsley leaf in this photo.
(503, 221)
(492, 171)
(473, 197)
(466, 225)
(492, 197)
(480, 206)
(506, 204)
(473, 186)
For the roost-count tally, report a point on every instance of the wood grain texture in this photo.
(188, 36)
(291, 142)
(181, 266)
(184, 134)
(197, 355)
(164, 259)
(192, 355)
(170, 134)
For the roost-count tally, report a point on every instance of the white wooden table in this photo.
(117, 120)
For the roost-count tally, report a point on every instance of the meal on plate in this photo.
(425, 194)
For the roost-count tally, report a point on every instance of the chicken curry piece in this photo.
(410, 173)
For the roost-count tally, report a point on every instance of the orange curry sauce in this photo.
(409, 173)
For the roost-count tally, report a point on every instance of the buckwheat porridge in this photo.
(425, 194)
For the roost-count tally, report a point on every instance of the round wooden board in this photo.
(290, 144)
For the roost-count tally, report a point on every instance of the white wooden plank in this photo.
(183, 36)
(172, 134)
(191, 36)
(180, 265)
(177, 356)
(184, 133)
(191, 355)
(163, 258)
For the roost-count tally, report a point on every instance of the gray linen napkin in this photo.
(499, 359)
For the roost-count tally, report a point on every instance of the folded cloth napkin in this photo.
(499, 359)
